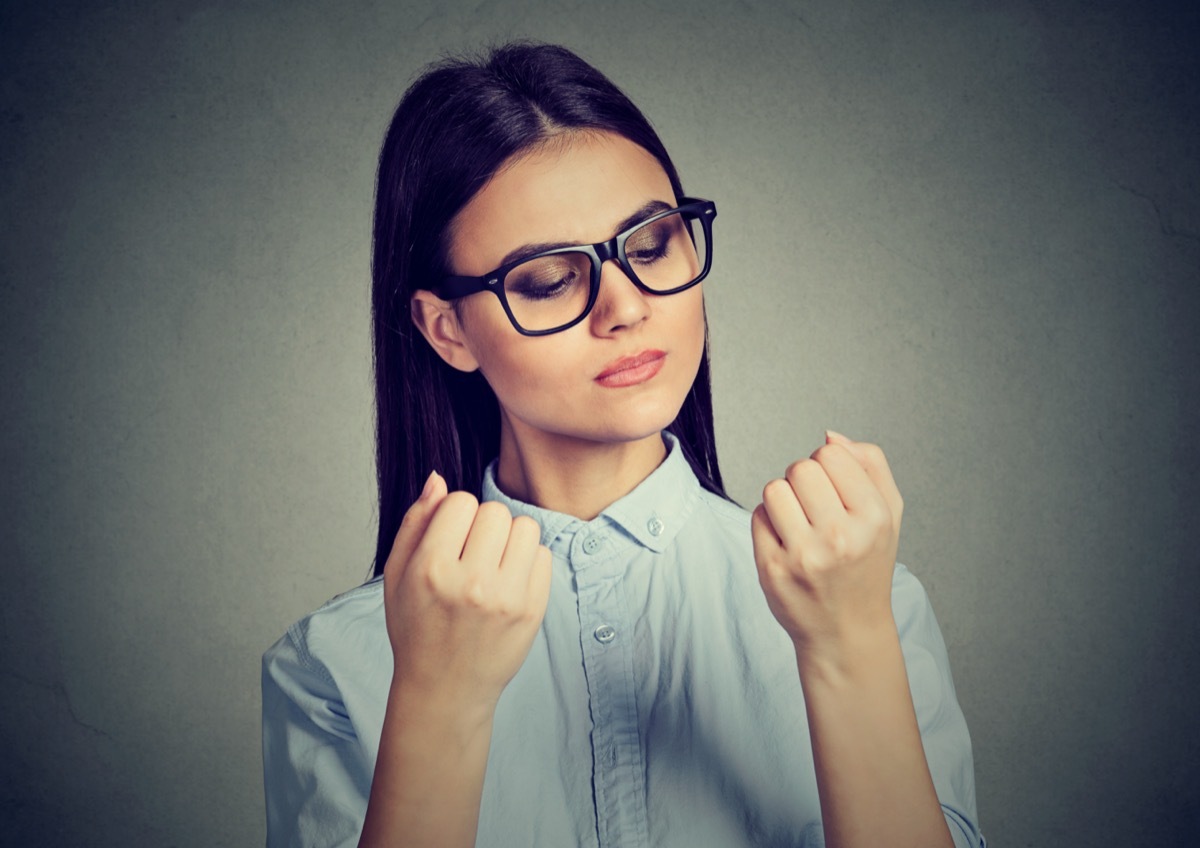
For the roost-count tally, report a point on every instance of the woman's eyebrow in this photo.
(526, 250)
(645, 211)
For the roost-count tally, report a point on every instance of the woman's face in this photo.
(577, 189)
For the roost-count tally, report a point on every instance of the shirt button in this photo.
(591, 544)
(605, 633)
(655, 526)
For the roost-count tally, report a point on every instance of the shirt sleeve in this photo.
(315, 776)
(943, 727)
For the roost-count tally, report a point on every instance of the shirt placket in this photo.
(606, 638)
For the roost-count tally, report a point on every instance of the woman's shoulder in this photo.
(326, 679)
(358, 605)
(347, 626)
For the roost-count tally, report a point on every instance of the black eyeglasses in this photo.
(555, 289)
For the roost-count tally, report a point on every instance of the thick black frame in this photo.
(693, 207)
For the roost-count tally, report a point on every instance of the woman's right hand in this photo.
(465, 590)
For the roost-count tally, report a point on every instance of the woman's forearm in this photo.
(825, 539)
(429, 774)
(872, 774)
(459, 626)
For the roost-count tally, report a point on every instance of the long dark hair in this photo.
(453, 129)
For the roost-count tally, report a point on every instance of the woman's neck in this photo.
(573, 476)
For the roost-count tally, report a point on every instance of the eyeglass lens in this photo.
(549, 291)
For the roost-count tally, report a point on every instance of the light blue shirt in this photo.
(660, 704)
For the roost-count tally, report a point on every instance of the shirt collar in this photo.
(652, 513)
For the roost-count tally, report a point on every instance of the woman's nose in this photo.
(619, 303)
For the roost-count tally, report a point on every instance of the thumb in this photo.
(415, 522)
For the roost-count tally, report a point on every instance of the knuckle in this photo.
(774, 570)
(840, 544)
(800, 467)
(877, 516)
(432, 582)
(775, 489)
(529, 614)
(476, 594)
(764, 557)
(494, 511)
(774, 563)
(823, 453)
(526, 526)
(513, 606)
(460, 501)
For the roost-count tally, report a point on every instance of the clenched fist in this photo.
(825, 539)
(465, 591)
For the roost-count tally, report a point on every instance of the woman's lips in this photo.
(631, 370)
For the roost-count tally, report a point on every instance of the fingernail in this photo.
(428, 490)
(832, 435)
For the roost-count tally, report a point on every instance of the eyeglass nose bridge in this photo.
(609, 250)
(606, 251)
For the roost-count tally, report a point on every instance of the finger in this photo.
(414, 524)
(854, 487)
(762, 529)
(448, 528)
(815, 492)
(489, 533)
(538, 587)
(834, 437)
(784, 514)
(519, 551)
(873, 461)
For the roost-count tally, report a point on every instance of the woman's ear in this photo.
(439, 325)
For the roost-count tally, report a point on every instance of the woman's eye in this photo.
(646, 253)
(542, 285)
(651, 243)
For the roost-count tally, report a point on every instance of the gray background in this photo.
(969, 231)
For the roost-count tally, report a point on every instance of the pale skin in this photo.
(466, 585)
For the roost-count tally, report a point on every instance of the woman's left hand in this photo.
(825, 539)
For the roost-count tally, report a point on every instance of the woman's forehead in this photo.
(574, 189)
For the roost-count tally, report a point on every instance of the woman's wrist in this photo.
(872, 775)
(849, 659)
(429, 771)
(439, 710)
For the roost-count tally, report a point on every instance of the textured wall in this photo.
(969, 231)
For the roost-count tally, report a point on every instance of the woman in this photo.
(591, 653)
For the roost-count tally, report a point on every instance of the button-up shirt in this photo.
(660, 704)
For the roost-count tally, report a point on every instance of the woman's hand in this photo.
(825, 540)
(465, 591)
(465, 588)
